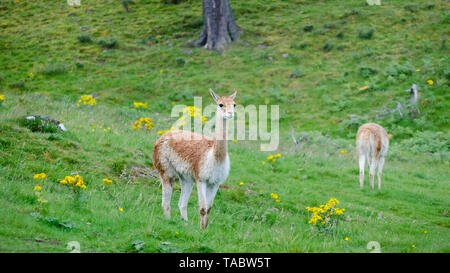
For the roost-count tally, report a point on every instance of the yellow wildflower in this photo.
(270, 157)
(418, 69)
(241, 183)
(346, 238)
(430, 82)
(86, 100)
(2, 97)
(31, 74)
(37, 188)
(120, 209)
(106, 181)
(140, 104)
(39, 176)
(263, 163)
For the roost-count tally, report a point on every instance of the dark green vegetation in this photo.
(310, 57)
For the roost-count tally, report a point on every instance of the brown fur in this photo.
(374, 129)
(192, 153)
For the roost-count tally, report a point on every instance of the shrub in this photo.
(366, 33)
(20, 84)
(328, 46)
(353, 12)
(308, 28)
(38, 124)
(366, 72)
(297, 73)
(84, 38)
(411, 8)
(394, 69)
(55, 69)
(108, 43)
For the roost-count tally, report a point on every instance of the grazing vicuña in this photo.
(372, 143)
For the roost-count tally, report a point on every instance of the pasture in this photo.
(330, 66)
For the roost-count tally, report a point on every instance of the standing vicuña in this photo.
(372, 142)
(195, 158)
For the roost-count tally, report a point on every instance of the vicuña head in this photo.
(195, 158)
(225, 105)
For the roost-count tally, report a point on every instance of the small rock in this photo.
(187, 51)
(83, 28)
(262, 46)
(285, 55)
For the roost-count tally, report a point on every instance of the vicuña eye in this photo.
(234, 105)
(221, 105)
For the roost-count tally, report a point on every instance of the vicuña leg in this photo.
(201, 190)
(362, 163)
(373, 165)
(186, 189)
(380, 170)
(211, 190)
(167, 185)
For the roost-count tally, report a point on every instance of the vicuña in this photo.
(195, 158)
(372, 143)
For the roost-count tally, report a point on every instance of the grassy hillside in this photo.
(330, 65)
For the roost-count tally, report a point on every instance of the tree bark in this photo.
(219, 27)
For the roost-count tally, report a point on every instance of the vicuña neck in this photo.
(220, 148)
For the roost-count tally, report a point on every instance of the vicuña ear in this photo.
(214, 95)
(234, 95)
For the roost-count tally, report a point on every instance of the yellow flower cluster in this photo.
(39, 176)
(37, 188)
(323, 213)
(76, 181)
(272, 159)
(106, 181)
(2, 97)
(143, 122)
(86, 99)
(31, 74)
(162, 132)
(275, 196)
(140, 104)
(190, 111)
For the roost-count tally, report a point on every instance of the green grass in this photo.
(140, 56)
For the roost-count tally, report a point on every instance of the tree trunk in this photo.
(219, 27)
